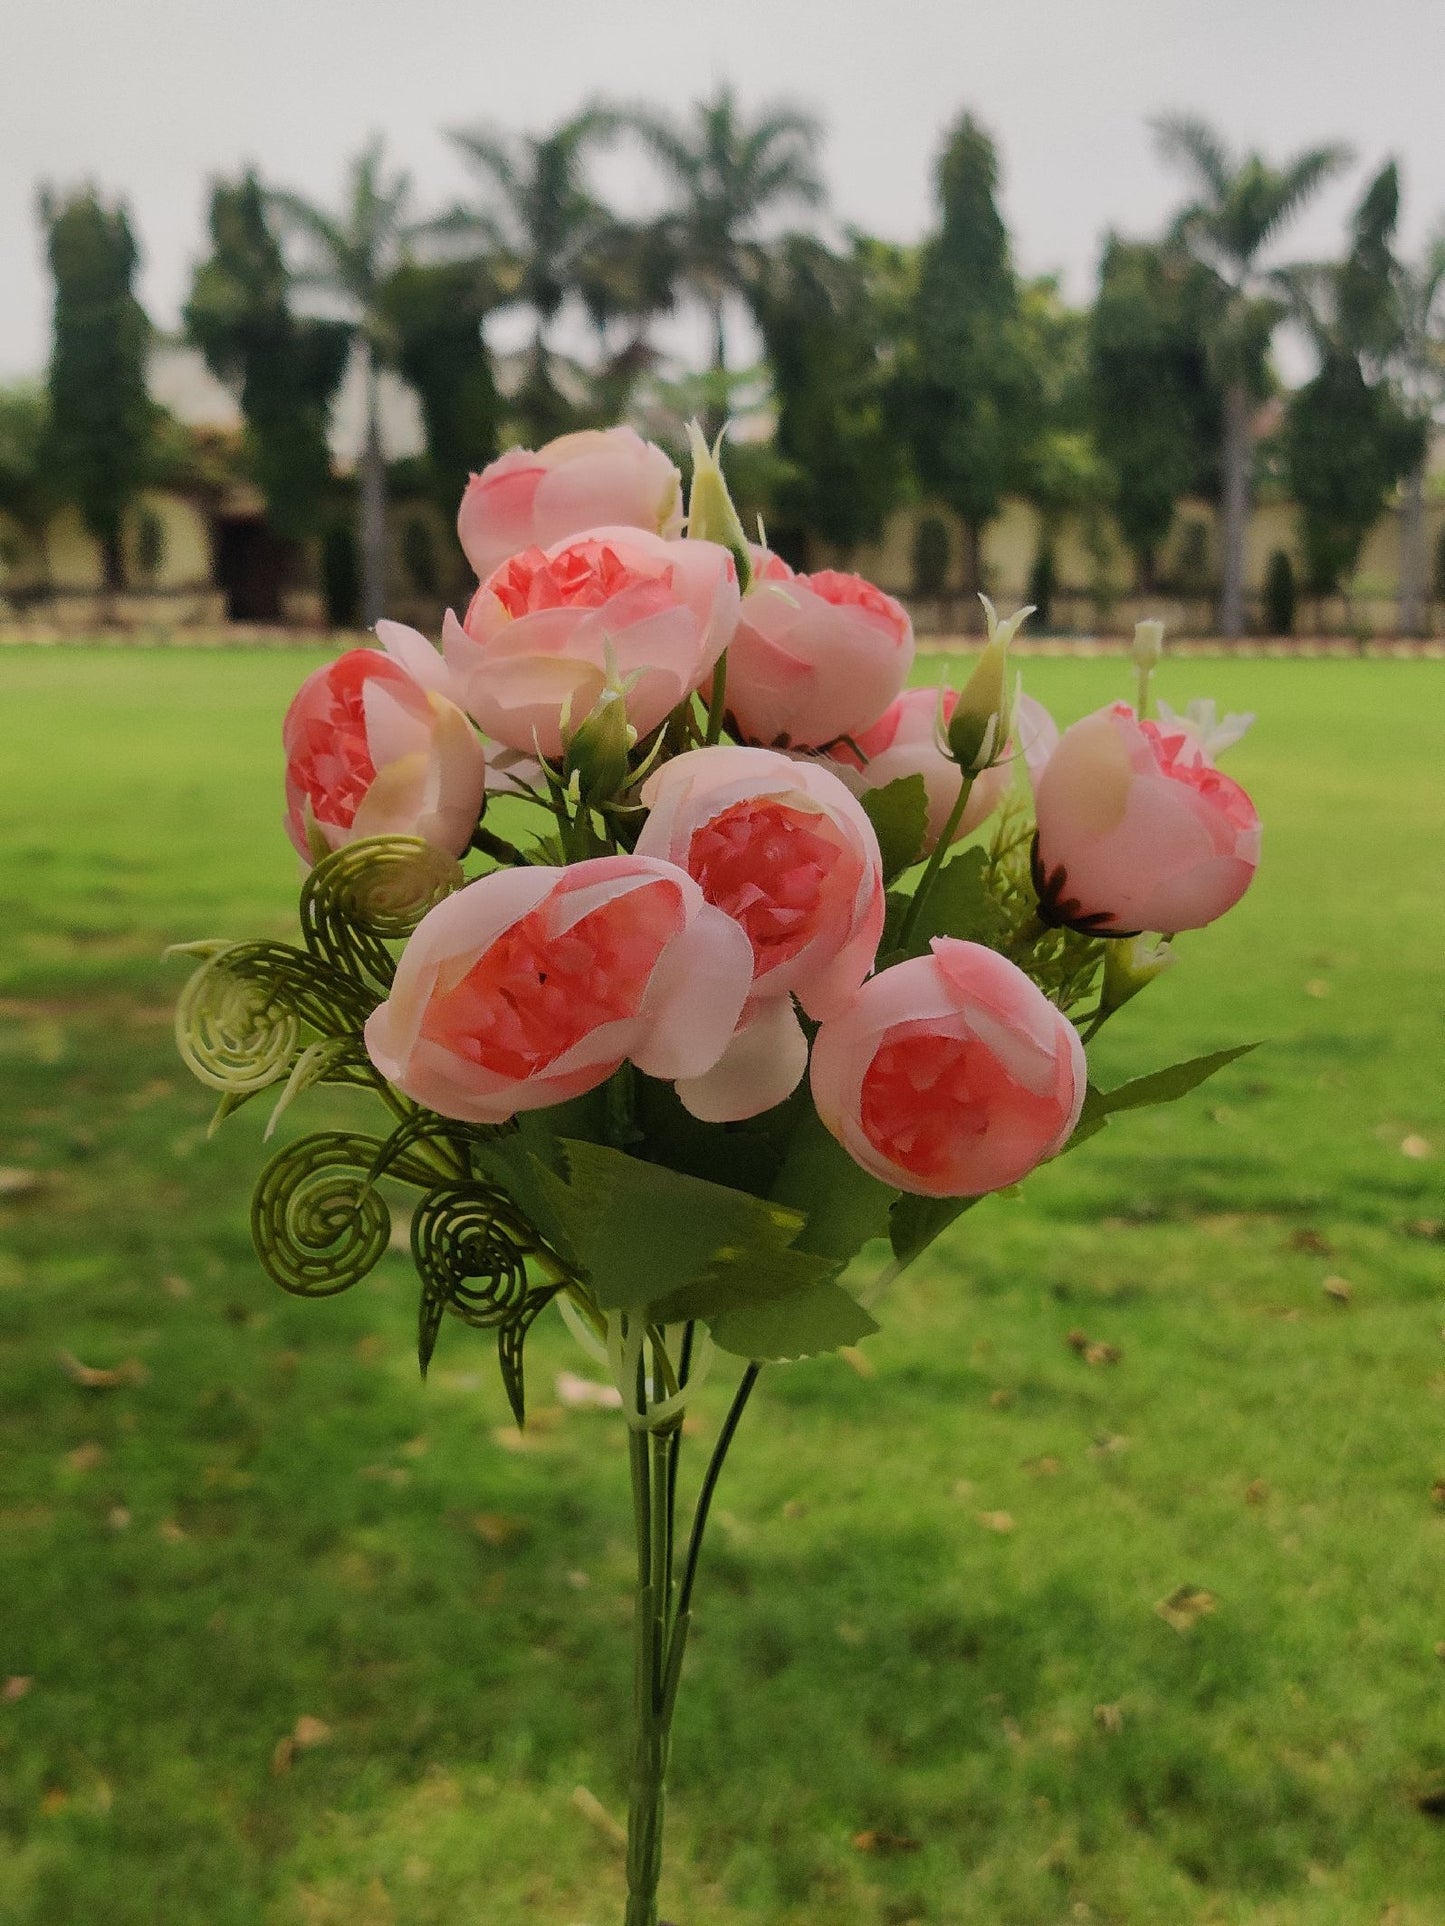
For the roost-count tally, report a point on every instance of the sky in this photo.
(151, 98)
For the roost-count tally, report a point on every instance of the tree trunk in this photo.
(1238, 458)
(972, 577)
(716, 412)
(112, 557)
(1414, 562)
(371, 522)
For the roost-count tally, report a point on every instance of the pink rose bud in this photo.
(784, 849)
(370, 752)
(949, 1075)
(533, 985)
(904, 741)
(600, 478)
(815, 657)
(1138, 830)
(552, 629)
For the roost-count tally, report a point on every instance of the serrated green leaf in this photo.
(959, 905)
(899, 815)
(647, 1236)
(914, 1222)
(844, 1206)
(1142, 1093)
(819, 1319)
(740, 1277)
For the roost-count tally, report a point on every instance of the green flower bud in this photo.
(1131, 964)
(596, 755)
(1148, 643)
(978, 730)
(711, 516)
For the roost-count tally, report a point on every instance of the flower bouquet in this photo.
(651, 913)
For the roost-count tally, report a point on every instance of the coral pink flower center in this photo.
(534, 994)
(776, 870)
(329, 759)
(926, 1095)
(1178, 756)
(583, 576)
(852, 592)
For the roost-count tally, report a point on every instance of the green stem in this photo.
(935, 861)
(718, 704)
(661, 1616)
(497, 847)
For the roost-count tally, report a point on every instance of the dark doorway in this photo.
(252, 564)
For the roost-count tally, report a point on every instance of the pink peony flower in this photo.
(1138, 830)
(904, 741)
(371, 752)
(815, 657)
(531, 986)
(547, 629)
(600, 478)
(949, 1075)
(785, 851)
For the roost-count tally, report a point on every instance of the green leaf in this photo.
(959, 905)
(819, 1319)
(1142, 1093)
(738, 1279)
(845, 1207)
(914, 1222)
(899, 815)
(644, 1234)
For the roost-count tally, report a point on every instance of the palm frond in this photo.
(1189, 142)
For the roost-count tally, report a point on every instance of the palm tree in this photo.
(1241, 205)
(540, 212)
(729, 173)
(348, 258)
(1420, 375)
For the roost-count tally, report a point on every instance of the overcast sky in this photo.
(151, 97)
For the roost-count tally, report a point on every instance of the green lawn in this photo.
(269, 1518)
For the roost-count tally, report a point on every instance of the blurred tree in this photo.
(1279, 595)
(101, 417)
(730, 172)
(1060, 468)
(970, 396)
(549, 229)
(348, 258)
(1241, 205)
(28, 492)
(1347, 440)
(434, 312)
(283, 369)
(1154, 405)
(626, 280)
(830, 324)
(1418, 366)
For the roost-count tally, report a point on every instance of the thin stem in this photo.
(935, 861)
(718, 703)
(497, 847)
(709, 1486)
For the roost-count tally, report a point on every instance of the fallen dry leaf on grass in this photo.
(96, 1378)
(1437, 1493)
(1256, 1492)
(999, 1521)
(15, 1182)
(13, 1689)
(86, 1457)
(1109, 1718)
(1091, 1352)
(874, 1840)
(1338, 1288)
(1185, 1606)
(586, 1394)
(306, 1733)
(1416, 1147)
(1310, 1242)
(857, 1361)
(597, 1815)
(497, 1528)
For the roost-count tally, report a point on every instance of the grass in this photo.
(896, 1709)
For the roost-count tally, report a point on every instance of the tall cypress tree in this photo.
(284, 369)
(436, 310)
(1156, 407)
(970, 395)
(101, 416)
